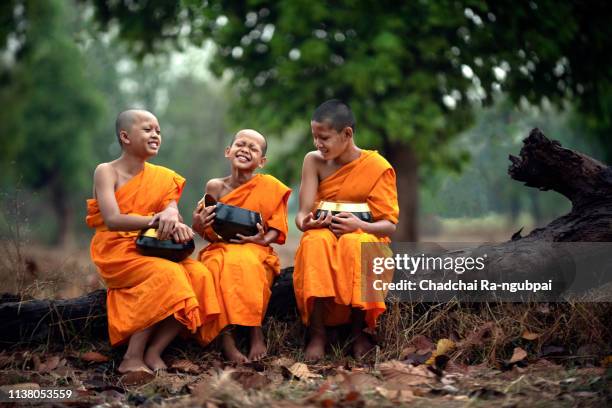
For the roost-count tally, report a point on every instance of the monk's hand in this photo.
(345, 222)
(203, 217)
(324, 220)
(182, 233)
(259, 238)
(166, 221)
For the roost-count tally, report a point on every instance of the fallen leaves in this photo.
(94, 357)
(398, 375)
(250, 379)
(517, 355)
(137, 378)
(443, 348)
(527, 335)
(301, 371)
(185, 366)
(49, 364)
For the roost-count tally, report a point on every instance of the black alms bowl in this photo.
(231, 220)
(148, 244)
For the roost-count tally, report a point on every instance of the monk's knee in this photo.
(316, 235)
(352, 238)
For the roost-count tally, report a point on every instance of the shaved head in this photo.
(253, 134)
(125, 120)
(335, 113)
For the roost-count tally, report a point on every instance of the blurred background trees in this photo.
(432, 84)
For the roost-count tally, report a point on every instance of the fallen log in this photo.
(542, 163)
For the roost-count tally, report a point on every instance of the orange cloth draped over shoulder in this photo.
(330, 267)
(244, 273)
(144, 290)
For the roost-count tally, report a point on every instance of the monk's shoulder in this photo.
(314, 156)
(214, 187)
(314, 161)
(106, 172)
(379, 160)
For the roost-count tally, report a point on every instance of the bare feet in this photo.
(230, 351)
(316, 347)
(361, 345)
(258, 344)
(130, 364)
(154, 361)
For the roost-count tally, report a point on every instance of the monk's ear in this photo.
(262, 162)
(348, 132)
(123, 136)
(227, 150)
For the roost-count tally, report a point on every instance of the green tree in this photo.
(412, 71)
(52, 107)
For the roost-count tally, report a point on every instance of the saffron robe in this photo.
(244, 273)
(330, 267)
(144, 290)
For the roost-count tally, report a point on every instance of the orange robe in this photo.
(244, 273)
(330, 267)
(144, 290)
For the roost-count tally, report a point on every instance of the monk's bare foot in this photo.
(133, 364)
(316, 347)
(230, 351)
(258, 344)
(361, 345)
(154, 361)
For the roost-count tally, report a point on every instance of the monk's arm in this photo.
(308, 194)
(203, 217)
(104, 187)
(382, 228)
(345, 222)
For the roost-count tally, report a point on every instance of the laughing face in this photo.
(247, 150)
(328, 141)
(144, 136)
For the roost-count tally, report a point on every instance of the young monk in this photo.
(244, 268)
(327, 274)
(149, 299)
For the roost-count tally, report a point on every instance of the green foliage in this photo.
(51, 107)
(483, 187)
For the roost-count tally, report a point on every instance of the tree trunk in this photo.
(64, 214)
(404, 161)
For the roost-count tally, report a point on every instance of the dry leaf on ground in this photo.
(443, 347)
(301, 371)
(527, 335)
(396, 395)
(488, 330)
(356, 380)
(518, 355)
(422, 344)
(94, 357)
(185, 366)
(137, 378)
(250, 379)
(50, 364)
(398, 375)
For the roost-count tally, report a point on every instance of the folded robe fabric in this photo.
(144, 290)
(244, 273)
(330, 267)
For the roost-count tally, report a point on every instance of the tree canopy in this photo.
(411, 71)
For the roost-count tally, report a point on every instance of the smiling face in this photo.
(143, 136)
(247, 151)
(328, 141)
